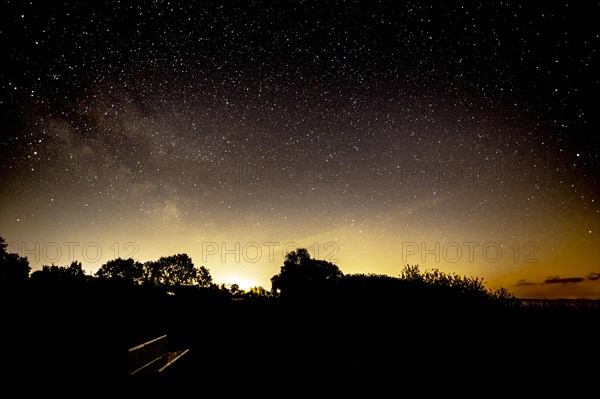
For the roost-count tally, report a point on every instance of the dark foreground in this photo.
(74, 341)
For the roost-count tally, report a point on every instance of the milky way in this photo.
(463, 138)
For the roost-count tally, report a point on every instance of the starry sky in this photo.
(455, 136)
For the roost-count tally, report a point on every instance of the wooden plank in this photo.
(178, 356)
(144, 355)
(152, 356)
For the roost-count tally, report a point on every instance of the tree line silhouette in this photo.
(300, 278)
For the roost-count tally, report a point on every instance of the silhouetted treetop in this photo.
(302, 275)
(174, 270)
(126, 270)
(60, 274)
(204, 278)
(14, 269)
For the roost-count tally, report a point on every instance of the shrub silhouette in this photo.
(453, 286)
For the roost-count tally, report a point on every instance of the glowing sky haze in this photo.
(463, 138)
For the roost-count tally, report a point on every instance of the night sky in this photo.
(462, 137)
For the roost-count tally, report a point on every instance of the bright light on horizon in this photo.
(244, 283)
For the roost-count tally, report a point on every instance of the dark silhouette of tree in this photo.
(170, 271)
(60, 274)
(151, 273)
(178, 269)
(204, 278)
(300, 274)
(223, 287)
(14, 269)
(235, 289)
(126, 270)
(75, 270)
(257, 291)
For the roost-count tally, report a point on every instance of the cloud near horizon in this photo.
(593, 276)
(524, 282)
(558, 280)
(566, 280)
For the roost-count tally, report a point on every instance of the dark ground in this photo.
(75, 342)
